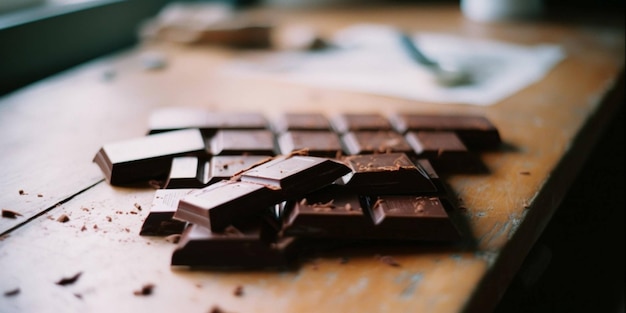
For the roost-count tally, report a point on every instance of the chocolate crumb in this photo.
(138, 206)
(238, 292)
(95, 226)
(175, 238)
(78, 295)
(12, 292)
(84, 228)
(10, 214)
(524, 173)
(69, 280)
(389, 260)
(109, 218)
(146, 290)
(216, 309)
(133, 212)
(63, 218)
(22, 192)
(39, 195)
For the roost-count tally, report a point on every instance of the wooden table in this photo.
(50, 131)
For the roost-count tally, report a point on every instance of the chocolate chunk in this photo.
(301, 121)
(444, 150)
(296, 175)
(412, 218)
(186, 172)
(364, 142)
(333, 211)
(159, 221)
(474, 131)
(346, 122)
(174, 118)
(69, 280)
(243, 142)
(226, 166)
(149, 157)
(316, 143)
(391, 173)
(226, 203)
(200, 247)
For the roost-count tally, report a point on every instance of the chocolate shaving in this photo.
(238, 292)
(10, 214)
(69, 280)
(63, 218)
(145, 290)
(12, 292)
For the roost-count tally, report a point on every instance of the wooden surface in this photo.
(50, 132)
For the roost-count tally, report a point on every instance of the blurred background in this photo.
(41, 37)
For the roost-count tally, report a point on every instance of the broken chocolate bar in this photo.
(226, 203)
(296, 175)
(159, 221)
(200, 247)
(148, 157)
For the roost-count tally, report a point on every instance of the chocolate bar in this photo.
(476, 132)
(390, 173)
(159, 221)
(226, 203)
(336, 212)
(149, 157)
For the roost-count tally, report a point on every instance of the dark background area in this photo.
(577, 265)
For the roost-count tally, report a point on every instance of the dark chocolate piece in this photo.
(159, 221)
(432, 174)
(225, 166)
(333, 211)
(301, 121)
(316, 143)
(412, 218)
(240, 142)
(173, 118)
(364, 142)
(346, 122)
(474, 131)
(226, 203)
(296, 175)
(149, 157)
(444, 150)
(200, 247)
(388, 173)
(186, 172)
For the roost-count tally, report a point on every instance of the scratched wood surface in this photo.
(50, 131)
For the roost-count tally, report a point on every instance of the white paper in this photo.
(369, 58)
